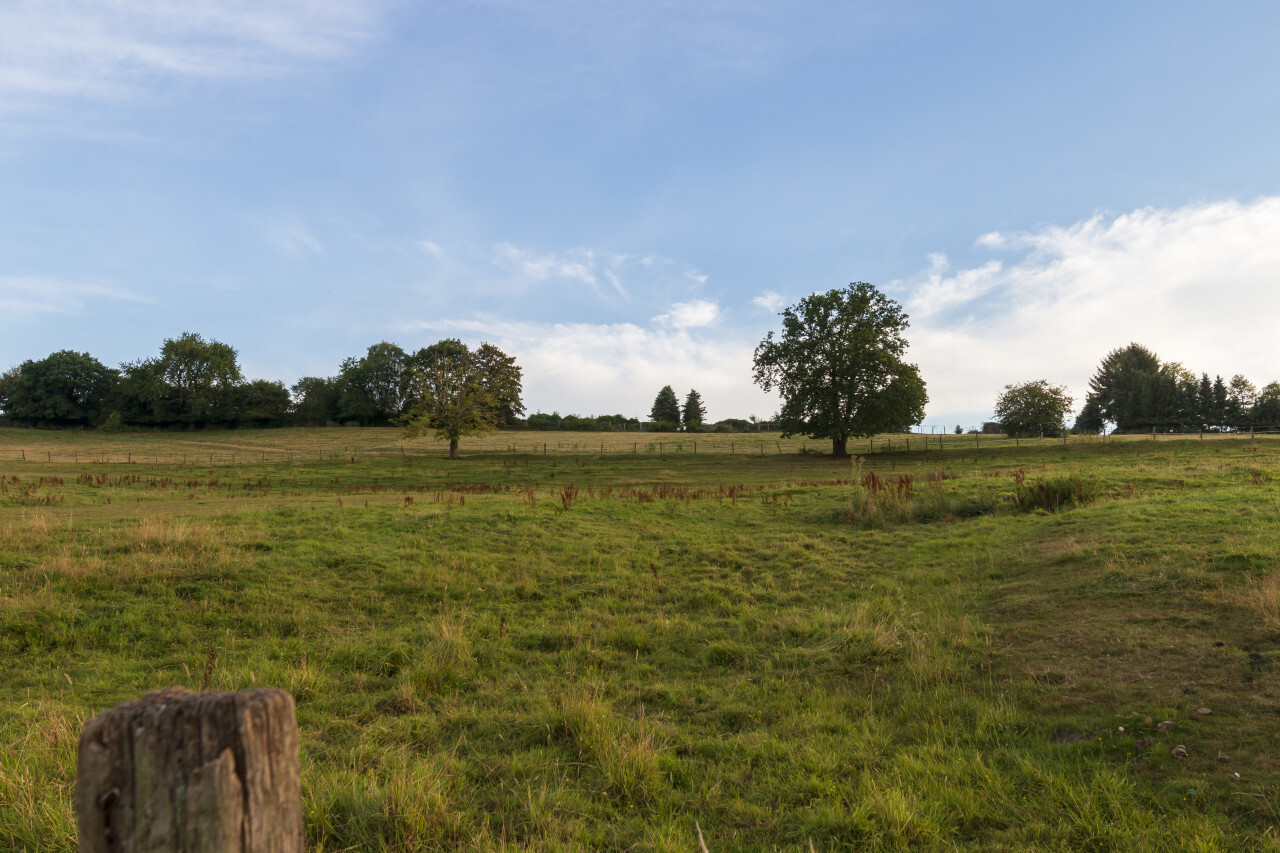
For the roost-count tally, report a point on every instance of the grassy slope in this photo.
(734, 641)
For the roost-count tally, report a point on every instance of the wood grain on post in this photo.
(181, 771)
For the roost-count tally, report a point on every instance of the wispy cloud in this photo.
(293, 239)
(690, 315)
(769, 301)
(610, 277)
(433, 249)
(59, 50)
(576, 265)
(23, 296)
(1198, 284)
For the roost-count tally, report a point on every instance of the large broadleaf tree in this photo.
(838, 365)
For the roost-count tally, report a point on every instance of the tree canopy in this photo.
(694, 413)
(65, 388)
(202, 374)
(666, 409)
(839, 367)
(374, 388)
(1033, 408)
(1134, 391)
(461, 392)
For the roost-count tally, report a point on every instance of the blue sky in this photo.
(623, 195)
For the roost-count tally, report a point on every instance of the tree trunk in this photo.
(453, 448)
(191, 772)
(840, 447)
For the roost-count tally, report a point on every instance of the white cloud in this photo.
(611, 276)
(293, 240)
(54, 50)
(578, 265)
(690, 315)
(585, 368)
(769, 301)
(22, 296)
(1197, 284)
(432, 249)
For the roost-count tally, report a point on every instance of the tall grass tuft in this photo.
(1055, 493)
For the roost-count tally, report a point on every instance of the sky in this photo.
(624, 195)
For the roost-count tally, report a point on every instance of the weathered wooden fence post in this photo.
(181, 772)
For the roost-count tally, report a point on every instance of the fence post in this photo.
(24, 454)
(181, 771)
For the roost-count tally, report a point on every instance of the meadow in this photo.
(606, 645)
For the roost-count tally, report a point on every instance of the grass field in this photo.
(580, 650)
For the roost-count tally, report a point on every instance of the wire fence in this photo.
(579, 445)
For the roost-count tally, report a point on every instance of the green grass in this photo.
(586, 651)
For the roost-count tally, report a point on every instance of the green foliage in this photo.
(1054, 493)
(1136, 392)
(65, 389)
(694, 413)
(838, 366)
(373, 390)
(665, 412)
(461, 393)
(143, 398)
(315, 400)
(602, 423)
(202, 375)
(261, 403)
(1033, 408)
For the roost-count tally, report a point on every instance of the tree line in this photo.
(194, 383)
(1134, 391)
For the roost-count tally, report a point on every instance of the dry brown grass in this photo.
(1262, 598)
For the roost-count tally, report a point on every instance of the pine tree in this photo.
(666, 409)
(1219, 417)
(694, 413)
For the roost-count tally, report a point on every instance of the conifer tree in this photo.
(694, 412)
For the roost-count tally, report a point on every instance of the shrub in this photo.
(1055, 493)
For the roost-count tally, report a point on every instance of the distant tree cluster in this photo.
(667, 415)
(386, 383)
(577, 423)
(196, 383)
(192, 383)
(1134, 391)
